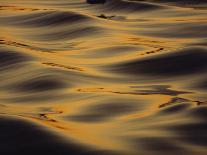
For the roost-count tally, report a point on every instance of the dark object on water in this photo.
(96, 1)
(105, 17)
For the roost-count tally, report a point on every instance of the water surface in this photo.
(125, 77)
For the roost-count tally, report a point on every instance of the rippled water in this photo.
(124, 77)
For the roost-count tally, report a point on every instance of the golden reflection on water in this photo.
(122, 77)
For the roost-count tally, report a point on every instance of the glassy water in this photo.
(125, 77)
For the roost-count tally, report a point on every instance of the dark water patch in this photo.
(9, 58)
(89, 117)
(39, 84)
(176, 108)
(199, 112)
(159, 145)
(184, 3)
(185, 126)
(194, 133)
(36, 98)
(23, 137)
(15, 19)
(103, 112)
(184, 62)
(50, 18)
(133, 6)
(96, 1)
(128, 6)
(202, 42)
(193, 130)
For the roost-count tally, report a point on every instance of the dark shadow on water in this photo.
(21, 137)
(186, 61)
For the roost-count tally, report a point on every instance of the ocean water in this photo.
(124, 77)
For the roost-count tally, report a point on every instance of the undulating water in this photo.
(124, 77)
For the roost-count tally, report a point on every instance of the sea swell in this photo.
(120, 77)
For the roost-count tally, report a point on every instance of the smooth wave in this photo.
(184, 62)
(112, 77)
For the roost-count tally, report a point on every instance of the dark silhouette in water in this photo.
(105, 17)
(96, 1)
